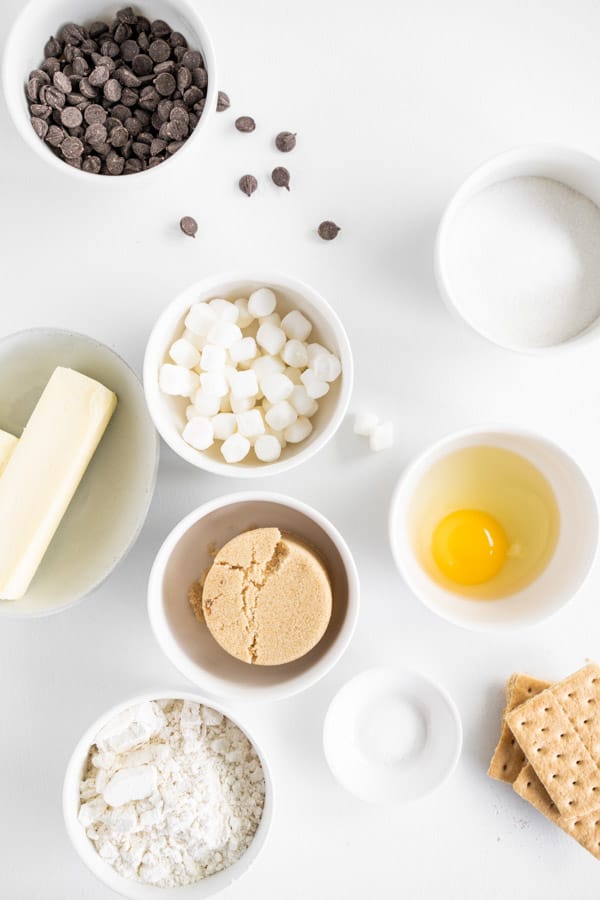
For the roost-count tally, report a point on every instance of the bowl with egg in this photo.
(248, 375)
(254, 596)
(494, 528)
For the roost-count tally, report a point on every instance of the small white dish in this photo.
(135, 890)
(24, 51)
(111, 503)
(568, 567)
(186, 554)
(391, 736)
(168, 413)
(571, 167)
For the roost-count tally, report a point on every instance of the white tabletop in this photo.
(394, 104)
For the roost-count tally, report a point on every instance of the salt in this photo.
(523, 262)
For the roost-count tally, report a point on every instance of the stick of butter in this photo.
(8, 442)
(44, 472)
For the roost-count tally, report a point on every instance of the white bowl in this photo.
(567, 569)
(134, 890)
(571, 167)
(391, 736)
(111, 503)
(24, 51)
(168, 413)
(186, 554)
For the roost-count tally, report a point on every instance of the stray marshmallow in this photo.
(243, 384)
(298, 430)
(224, 333)
(315, 387)
(251, 423)
(270, 338)
(198, 433)
(243, 350)
(214, 383)
(224, 310)
(213, 358)
(183, 353)
(235, 448)
(296, 326)
(382, 437)
(365, 424)
(267, 448)
(295, 354)
(281, 415)
(276, 387)
(177, 381)
(206, 404)
(262, 302)
(224, 425)
(200, 318)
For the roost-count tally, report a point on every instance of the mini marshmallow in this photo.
(214, 383)
(315, 388)
(251, 423)
(266, 365)
(274, 319)
(206, 404)
(298, 430)
(302, 403)
(198, 433)
(267, 448)
(235, 448)
(224, 425)
(245, 317)
(281, 416)
(197, 340)
(382, 437)
(295, 354)
(183, 353)
(213, 358)
(190, 412)
(365, 424)
(326, 366)
(244, 384)
(177, 381)
(296, 326)
(131, 783)
(240, 404)
(276, 387)
(243, 350)
(224, 310)
(262, 302)
(224, 333)
(200, 318)
(270, 338)
(315, 350)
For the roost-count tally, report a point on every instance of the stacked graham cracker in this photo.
(549, 750)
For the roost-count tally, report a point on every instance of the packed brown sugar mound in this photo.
(267, 598)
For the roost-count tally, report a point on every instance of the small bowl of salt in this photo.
(516, 254)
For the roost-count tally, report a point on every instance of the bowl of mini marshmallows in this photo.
(248, 376)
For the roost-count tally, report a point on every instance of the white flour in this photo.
(524, 261)
(173, 792)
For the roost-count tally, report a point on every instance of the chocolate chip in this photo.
(328, 230)
(248, 184)
(159, 50)
(119, 136)
(96, 133)
(184, 79)
(133, 126)
(129, 97)
(223, 101)
(200, 78)
(122, 33)
(52, 47)
(193, 95)
(97, 28)
(40, 126)
(176, 39)
(94, 114)
(132, 166)
(113, 90)
(53, 97)
(245, 124)
(163, 110)
(99, 76)
(128, 78)
(157, 147)
(40, 110)
(71, 117)
(71, 147)
(191, 59)
(149, 98)
(143, 42)
(92, 164)
(174, 146)
(114, 163)
(189, 226)
(127, 16)
(285, 141)
(109, 48)
(160, 28)
(129, 50)
(73, 34)
(87, 89)
(32, 89)
(141, 150)
(80, 66)
(281, 177)
(55, 136)
(165, 84)
(50, 66)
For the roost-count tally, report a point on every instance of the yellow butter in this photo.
(8, 442)
(44, 472)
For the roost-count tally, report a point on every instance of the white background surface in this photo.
(394, 105)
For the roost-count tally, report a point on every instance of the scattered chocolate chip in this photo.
(71, 117)
(328, 230)
(248, 184)
(40, 126)
(71, 147)
(189, 226)
(285, 141)
(281, 177)
(245, 124)
(223, 101)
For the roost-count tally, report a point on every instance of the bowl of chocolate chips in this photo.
(97, 89)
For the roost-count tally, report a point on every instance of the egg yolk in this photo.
(469, 546)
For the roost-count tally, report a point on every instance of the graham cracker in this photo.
(508, 758)
(559, 755)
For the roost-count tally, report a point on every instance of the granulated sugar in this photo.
(523, 262)
(173, 792)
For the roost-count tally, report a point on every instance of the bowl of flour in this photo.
(518, 249)
(167, 796)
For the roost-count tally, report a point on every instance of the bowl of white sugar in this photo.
(167, 795)
(517, 253)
